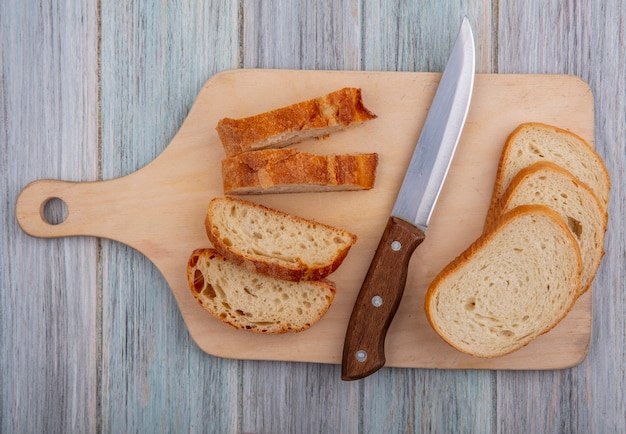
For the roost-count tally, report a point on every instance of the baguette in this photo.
(290, 171)
(511, 285)
(533, 142)
(292, 124)
(254, 302)
(545, 183)
(275, 243)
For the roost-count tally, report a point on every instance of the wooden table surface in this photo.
(91, 338)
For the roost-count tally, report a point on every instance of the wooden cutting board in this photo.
(159, 210)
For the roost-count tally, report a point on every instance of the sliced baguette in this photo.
(533, 142)
(275, 243)
(510, 286)
(254, 302)
(292, 124)
(290, 171)
(545, 183)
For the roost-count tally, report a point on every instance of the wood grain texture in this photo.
(155, 58)
(316, 35)
(108, 350)
(582, 38)
(176, 187)
(48, 128)
(416, 36)
(300, 34)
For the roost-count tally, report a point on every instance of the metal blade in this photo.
(440, 134)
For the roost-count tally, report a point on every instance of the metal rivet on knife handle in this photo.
(361, 356)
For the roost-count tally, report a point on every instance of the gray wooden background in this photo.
(91, 339)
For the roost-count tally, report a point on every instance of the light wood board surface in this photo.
(160, 209)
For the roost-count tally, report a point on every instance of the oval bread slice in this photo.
(254, 302)
(275, 243)
(510, 286)
(533, 142)
(545, 183)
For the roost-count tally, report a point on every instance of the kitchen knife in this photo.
(382, 289)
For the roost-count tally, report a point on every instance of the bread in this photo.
(295, 123)
(275, 243)
(545, 183)
(290, 171)
(511, 285)
(533, 142)
(254, 302)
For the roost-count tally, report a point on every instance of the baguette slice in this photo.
(250, 301)
(533, 142)
(292, 124)
(545, 183)
(510, 286)
(275, 243)
(290, 171)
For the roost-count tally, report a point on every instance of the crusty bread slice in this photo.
(290, 171)
(292, 124)
(275, 243)
(545, 183)
(533, 142)
(510, 286)
(254, 302)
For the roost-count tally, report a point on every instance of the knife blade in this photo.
(383, 286)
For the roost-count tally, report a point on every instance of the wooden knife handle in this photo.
(378, 300)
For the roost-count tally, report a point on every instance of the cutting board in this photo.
(159, 210)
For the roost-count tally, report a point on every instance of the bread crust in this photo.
(235, 316)
(499, 186)
(484, 239)
(290, 171)
(295, 271)
(291, 124)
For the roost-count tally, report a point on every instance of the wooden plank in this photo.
(177, 186)
(49, 48)
(581, 38)
(423, 400)
(304, 397)
(155, 58)
(297, 397)
(48, 298)
(417, 36)
(301, 34)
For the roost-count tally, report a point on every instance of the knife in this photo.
(382, 289)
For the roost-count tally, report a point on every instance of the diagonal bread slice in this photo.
(511, 285)
(275, 243)
(254, 302)
(533, 142)
(545, 183)
(290, 171)
(292, 124)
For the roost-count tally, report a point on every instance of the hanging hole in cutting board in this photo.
(54, 211)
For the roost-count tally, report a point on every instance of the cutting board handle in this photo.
(32, 200)
(92, 209)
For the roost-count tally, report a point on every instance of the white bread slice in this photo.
(510, 286)
(290, 171)
(275, 243)
(292, 124)
(545, 183)
(533, 142)
(254, 302)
